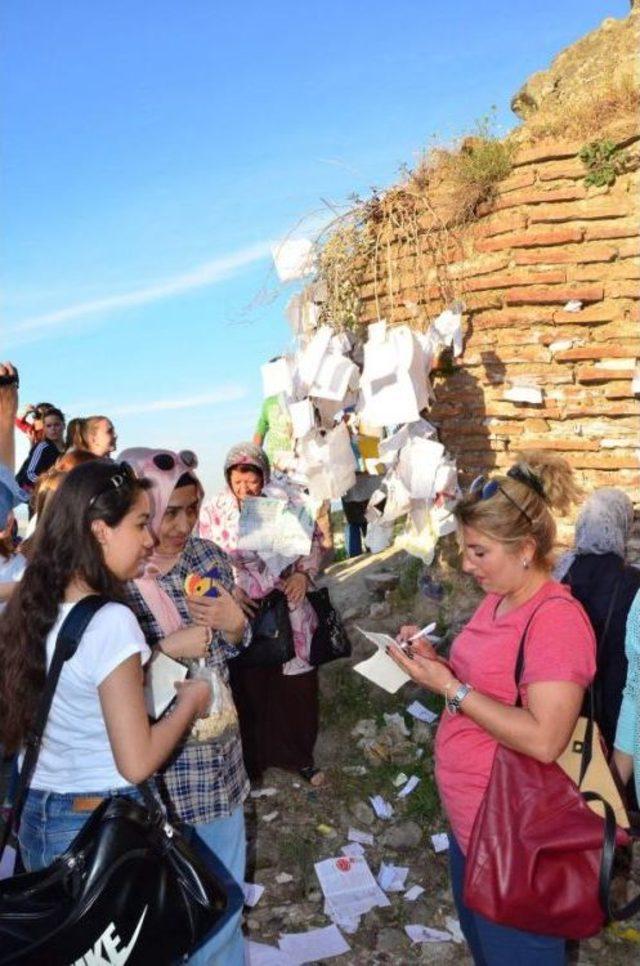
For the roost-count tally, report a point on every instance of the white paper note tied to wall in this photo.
(293, 258)
(380, 668)
(394, 381)
(277, 377)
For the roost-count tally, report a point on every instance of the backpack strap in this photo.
(69, 636)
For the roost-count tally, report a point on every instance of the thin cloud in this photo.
(223, 394)
(208, 274)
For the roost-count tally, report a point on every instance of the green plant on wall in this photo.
(604, 162)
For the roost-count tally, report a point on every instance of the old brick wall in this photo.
(546, 239)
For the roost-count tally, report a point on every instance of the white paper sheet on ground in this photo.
(448, 327)
(310, 359)
(363, 838)
(453, 926)
(347, 924)
(396, 720)
(525, 394)
(259, 954)
(283, 878)
(277, 377)
(411, 785)
(159, 689)
(381, 806)
(440, 842)
(413, 893)
(252, 893)
(418, 933)
(352, 849)
(313, 946)
(293, 258)
(263, 792)
(379, 668)
(270, 817)
(333, 377)
(418, 710)
(348, 884)
(391, 877)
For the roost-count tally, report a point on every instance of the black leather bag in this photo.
(330, 640)
(129, 888)
(272, 637)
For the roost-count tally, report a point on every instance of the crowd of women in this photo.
(135, 529)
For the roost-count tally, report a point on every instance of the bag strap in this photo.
(587, 744)
(69, 636)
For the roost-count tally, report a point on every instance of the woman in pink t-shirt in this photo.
(507, 534)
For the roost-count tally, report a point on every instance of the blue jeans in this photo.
(494, 945)
(226, 837)
(49, 823)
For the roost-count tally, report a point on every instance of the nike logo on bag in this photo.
(108, 949)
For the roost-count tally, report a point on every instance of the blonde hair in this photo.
(517, 511)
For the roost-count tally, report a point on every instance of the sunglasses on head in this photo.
(123, 474)
(167, 462)
(484, 489)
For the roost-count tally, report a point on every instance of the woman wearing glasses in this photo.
(92, 538)
(507, 535)
(205, 784)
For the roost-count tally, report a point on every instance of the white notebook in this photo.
(159, 688)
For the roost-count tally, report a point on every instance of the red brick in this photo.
(572, 168)
(602, 312)
(592, 374)
(627, 269)
(580, 254)
(626, 351)
(624, 228)
(604, 462)
(507, 318)
(629, 247)
(512, 199)
(517, 179)
(581, 211)
(507, 279)
(623, 290)
(531, 295)
(478, 266)
(562, 444)
(500, 224)
(551, 150)
(530, 239)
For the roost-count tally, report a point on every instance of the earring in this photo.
(526, 564)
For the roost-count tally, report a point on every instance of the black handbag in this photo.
(272, 636)
(330, 640)
(130, 887)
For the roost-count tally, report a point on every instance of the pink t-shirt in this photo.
(560, 646)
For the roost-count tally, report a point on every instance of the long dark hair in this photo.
(64, 548)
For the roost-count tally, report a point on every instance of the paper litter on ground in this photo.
(400, 779)
(418, 710)
(418, 933)
(263, 792)
(270, 817)
(252, 893)
(314, 945)
(283, 878)
(259, 954)
(397, 721)
(381, 807)
(440, 841)
(348, 886)
(364, 838)
(453, 926)
(355, 770)
(352, 849)
(391, 877)
(413, 893)
(412, 784)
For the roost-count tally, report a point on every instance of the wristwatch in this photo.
(453, 704)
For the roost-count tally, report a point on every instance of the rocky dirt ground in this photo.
(362, 753)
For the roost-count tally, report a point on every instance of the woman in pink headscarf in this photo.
(278, 706)
(205, 784)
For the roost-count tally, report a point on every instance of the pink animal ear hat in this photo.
(163, 467)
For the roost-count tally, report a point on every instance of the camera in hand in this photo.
(10, 380)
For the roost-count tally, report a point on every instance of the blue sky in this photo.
(152, 151)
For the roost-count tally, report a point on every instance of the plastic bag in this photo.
(222, 718)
